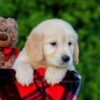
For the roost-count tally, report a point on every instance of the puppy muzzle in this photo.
(65, 58)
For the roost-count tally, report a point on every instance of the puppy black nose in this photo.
(65, 58)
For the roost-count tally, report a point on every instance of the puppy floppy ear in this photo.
(76, 54)
(34, 47)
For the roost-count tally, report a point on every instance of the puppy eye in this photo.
(69, 43)
(53, 43)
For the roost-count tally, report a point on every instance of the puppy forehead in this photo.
(58, 36)
(56, 27)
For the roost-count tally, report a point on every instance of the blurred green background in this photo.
(84, 15)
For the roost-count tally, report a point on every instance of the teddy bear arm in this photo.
(10, 62)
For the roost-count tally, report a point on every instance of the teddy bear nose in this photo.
(65, 58)
(3, 37)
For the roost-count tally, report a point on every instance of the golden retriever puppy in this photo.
(53, 45)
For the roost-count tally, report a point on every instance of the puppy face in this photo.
(59, 49)
(53, 42)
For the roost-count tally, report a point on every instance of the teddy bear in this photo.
(8, 42)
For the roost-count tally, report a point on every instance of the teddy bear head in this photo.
(8, 33)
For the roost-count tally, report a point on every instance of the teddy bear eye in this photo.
(5, 29)
(53, 43)
(69, 43)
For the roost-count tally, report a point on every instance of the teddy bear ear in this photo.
(11, 22)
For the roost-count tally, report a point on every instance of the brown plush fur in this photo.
(8, 39)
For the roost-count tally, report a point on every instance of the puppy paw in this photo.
(53, 75)
(24, 75)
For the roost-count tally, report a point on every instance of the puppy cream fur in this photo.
(45, 46)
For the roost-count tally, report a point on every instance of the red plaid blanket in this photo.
(39, 89)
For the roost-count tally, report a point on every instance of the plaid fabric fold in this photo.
(8, 52)
(68, 89)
